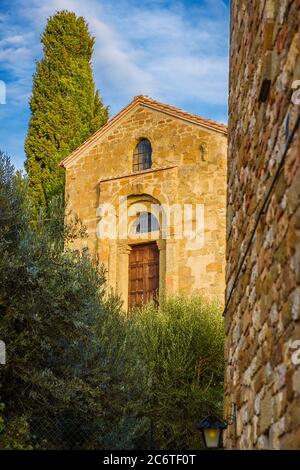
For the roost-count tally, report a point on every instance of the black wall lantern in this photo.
(212, 428)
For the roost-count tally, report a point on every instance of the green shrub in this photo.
(52, 302)
(179, 359)
(14, 434)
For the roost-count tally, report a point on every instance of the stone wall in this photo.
(262, 314)
(180, 174)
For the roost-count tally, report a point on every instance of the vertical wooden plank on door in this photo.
(143, 276)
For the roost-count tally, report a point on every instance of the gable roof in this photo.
(146, 102)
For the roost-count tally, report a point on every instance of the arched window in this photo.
(142, 156)
(146, 222)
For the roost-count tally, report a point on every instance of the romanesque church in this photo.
(150, 188)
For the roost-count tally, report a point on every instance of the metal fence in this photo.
(62, 433)
(49, 433)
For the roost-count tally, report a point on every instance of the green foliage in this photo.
(169, 368)
(65, 108)
(14, 434)
(179, 352)
(51, 303)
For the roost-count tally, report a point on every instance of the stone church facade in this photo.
(262, 312)
(150, 187)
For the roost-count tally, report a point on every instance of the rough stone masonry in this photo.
(262, 312)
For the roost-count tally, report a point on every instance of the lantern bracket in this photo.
(231, 418)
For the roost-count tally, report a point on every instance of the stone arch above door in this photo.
(143, 190)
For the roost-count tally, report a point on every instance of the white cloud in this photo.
(149, 48)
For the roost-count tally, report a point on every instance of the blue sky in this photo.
(175, 51)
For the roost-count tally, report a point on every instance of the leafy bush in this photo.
(14, 434)
(179, 358)
(52, 303)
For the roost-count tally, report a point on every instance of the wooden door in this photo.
(143, 274)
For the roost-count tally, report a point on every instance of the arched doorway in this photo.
(143, 266)
(144, 231)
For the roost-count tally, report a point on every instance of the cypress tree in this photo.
(65, 107)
